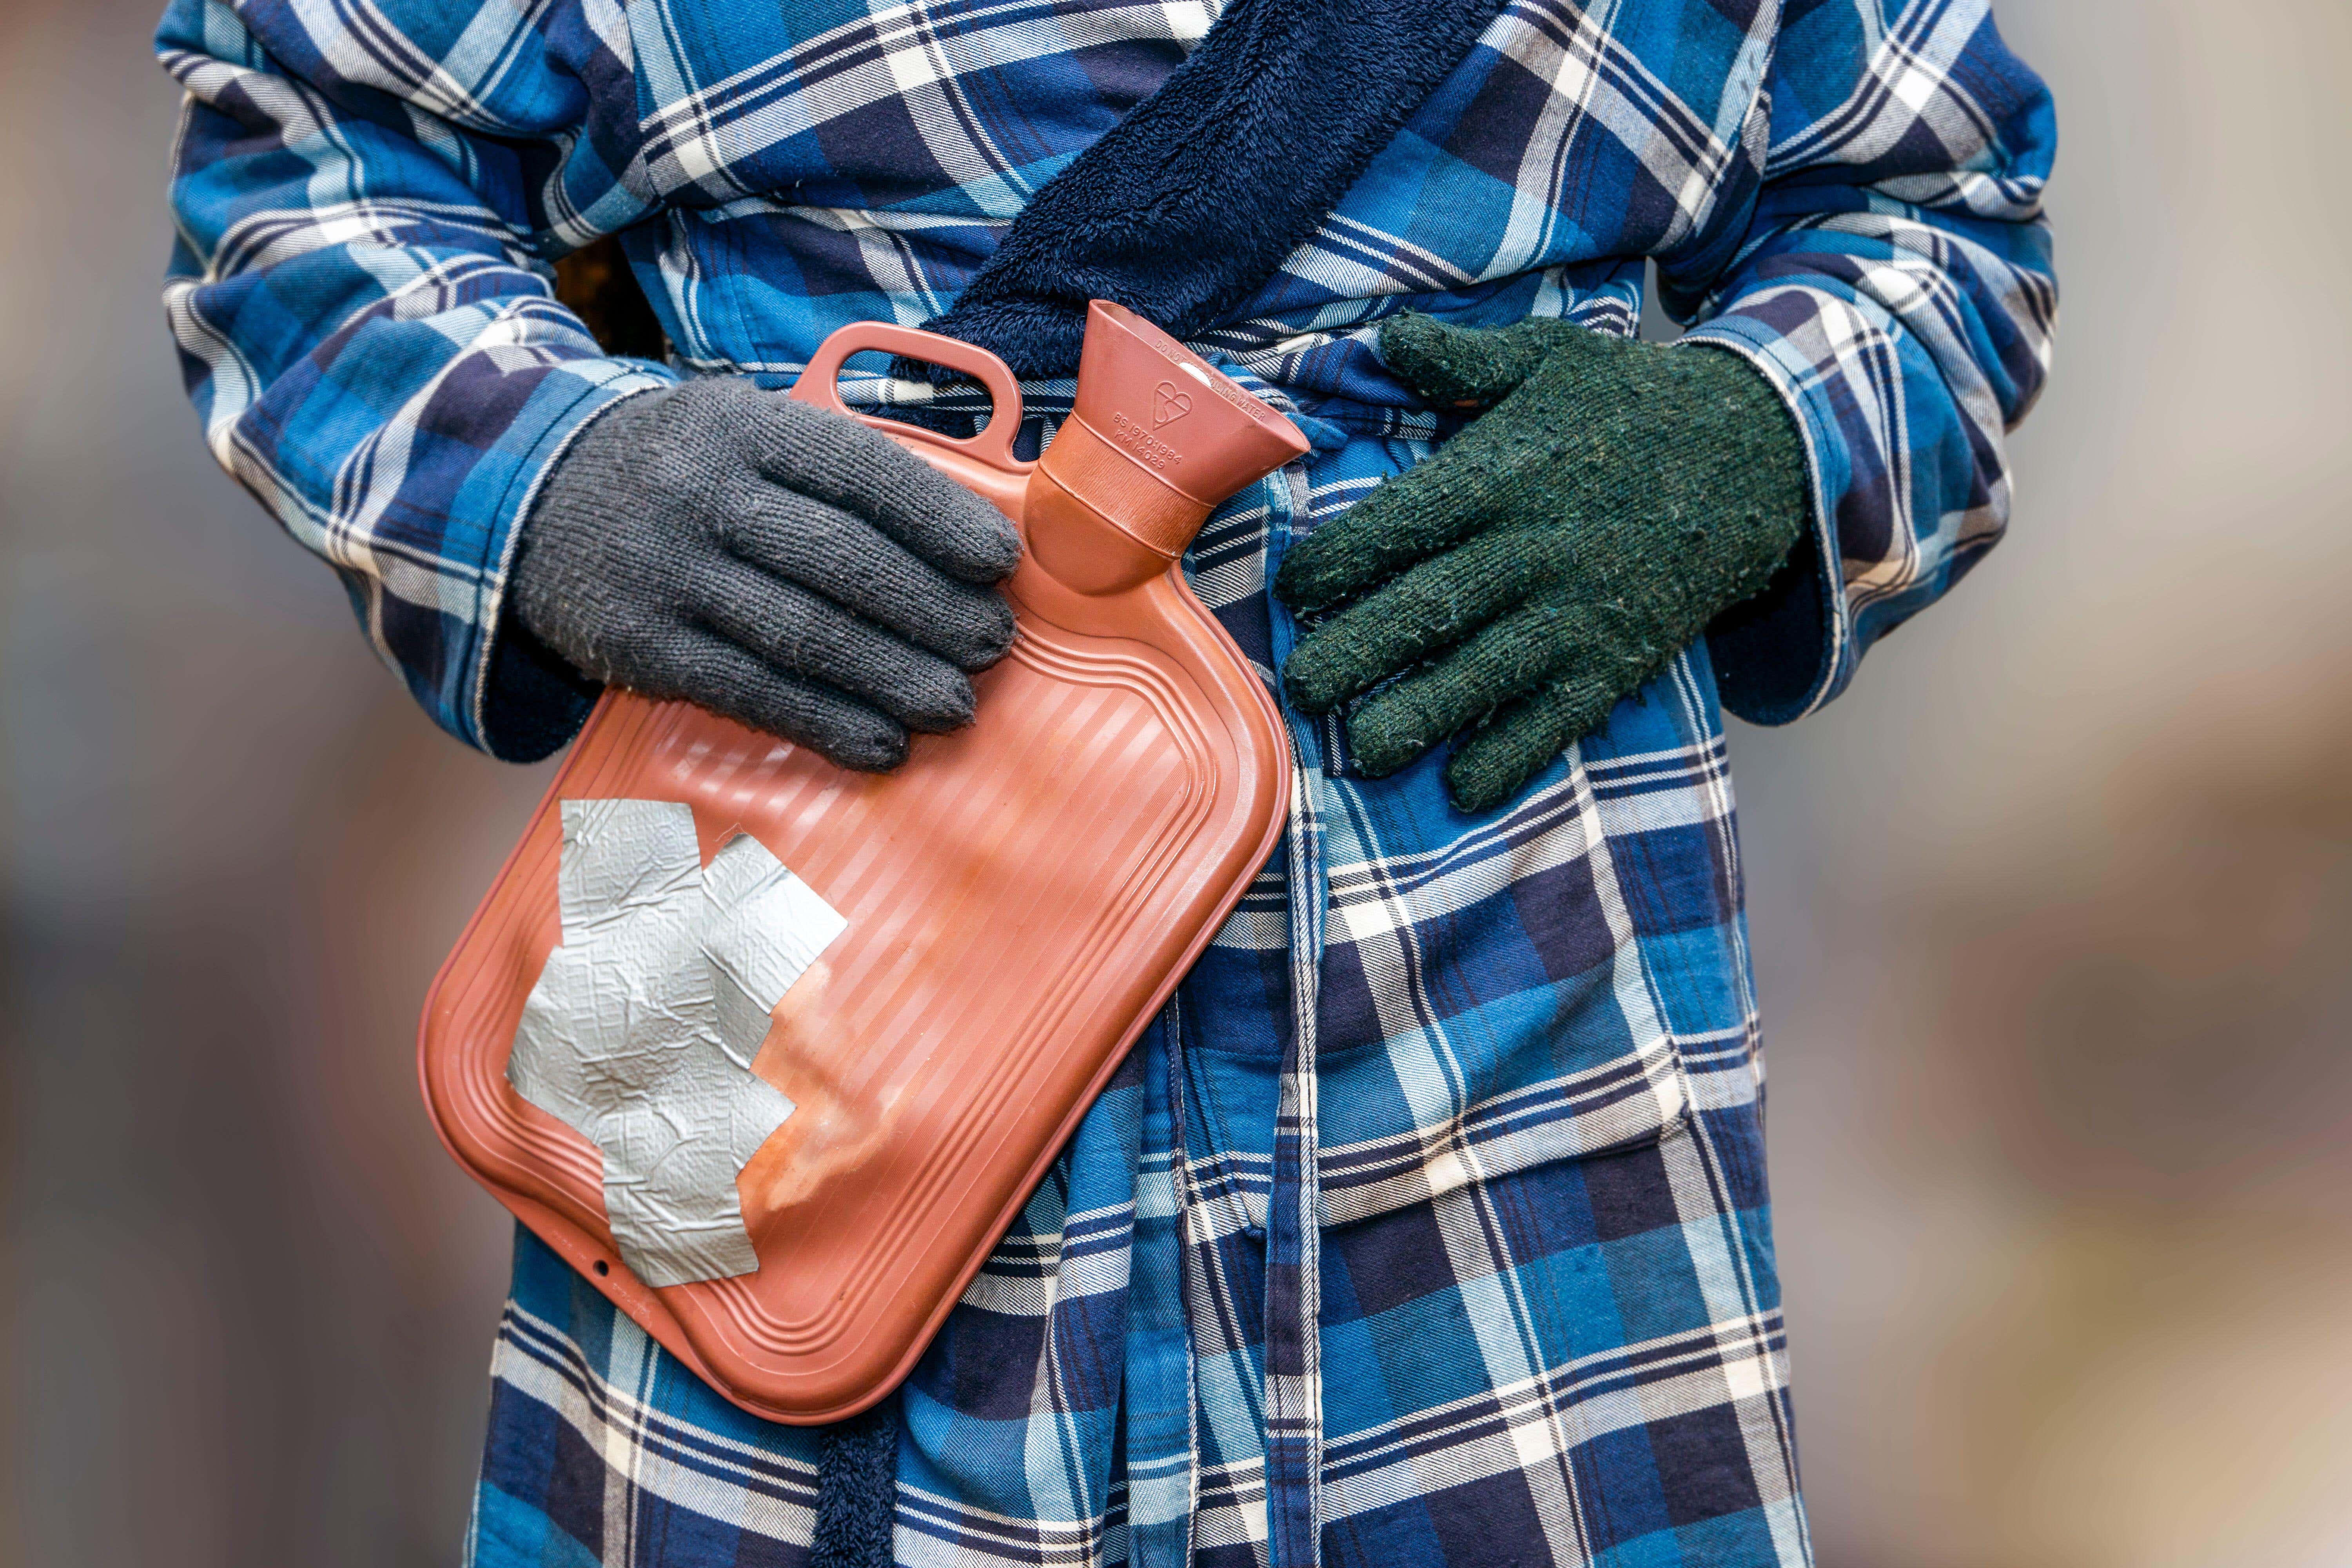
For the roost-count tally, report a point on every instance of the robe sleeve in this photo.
(366, 201)
(1891, 274)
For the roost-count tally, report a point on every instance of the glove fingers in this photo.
(1611, 662)
(1430, 607)
(835, 459)
(847, 560)
(1512, 656)
(1406, 519)
(1496, 471)
(1496, 762)
(798, 633)
(841, 730)
(1465, 367)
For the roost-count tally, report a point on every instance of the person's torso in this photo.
(815, 165)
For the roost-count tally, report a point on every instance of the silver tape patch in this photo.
(642, 1028)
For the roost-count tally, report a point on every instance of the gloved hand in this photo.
(772, 561)
(1560, 553)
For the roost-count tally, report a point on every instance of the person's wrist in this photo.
(590, 497)
(535, 691)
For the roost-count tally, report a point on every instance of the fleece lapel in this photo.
(1188, 204)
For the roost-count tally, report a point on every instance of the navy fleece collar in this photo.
(1189, 203)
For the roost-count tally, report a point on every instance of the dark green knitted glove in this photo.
(1553, 557)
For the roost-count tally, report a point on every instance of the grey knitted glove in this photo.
(772, 561)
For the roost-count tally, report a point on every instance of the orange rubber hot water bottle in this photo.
(773, 1052)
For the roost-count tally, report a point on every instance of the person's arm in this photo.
(1819, 458)
(366, 199)
(1892, 278)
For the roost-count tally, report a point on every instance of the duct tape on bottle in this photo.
(641, 1030)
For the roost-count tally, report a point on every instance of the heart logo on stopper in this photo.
(1168, 403)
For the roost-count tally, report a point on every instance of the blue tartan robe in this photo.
(1429, 1224)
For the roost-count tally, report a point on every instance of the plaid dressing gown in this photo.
(1429, 1224)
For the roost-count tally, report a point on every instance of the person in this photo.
(1429, 1224)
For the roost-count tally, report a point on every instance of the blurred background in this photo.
(2051, 913)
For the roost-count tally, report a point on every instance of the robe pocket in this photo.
(1623, 1102)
